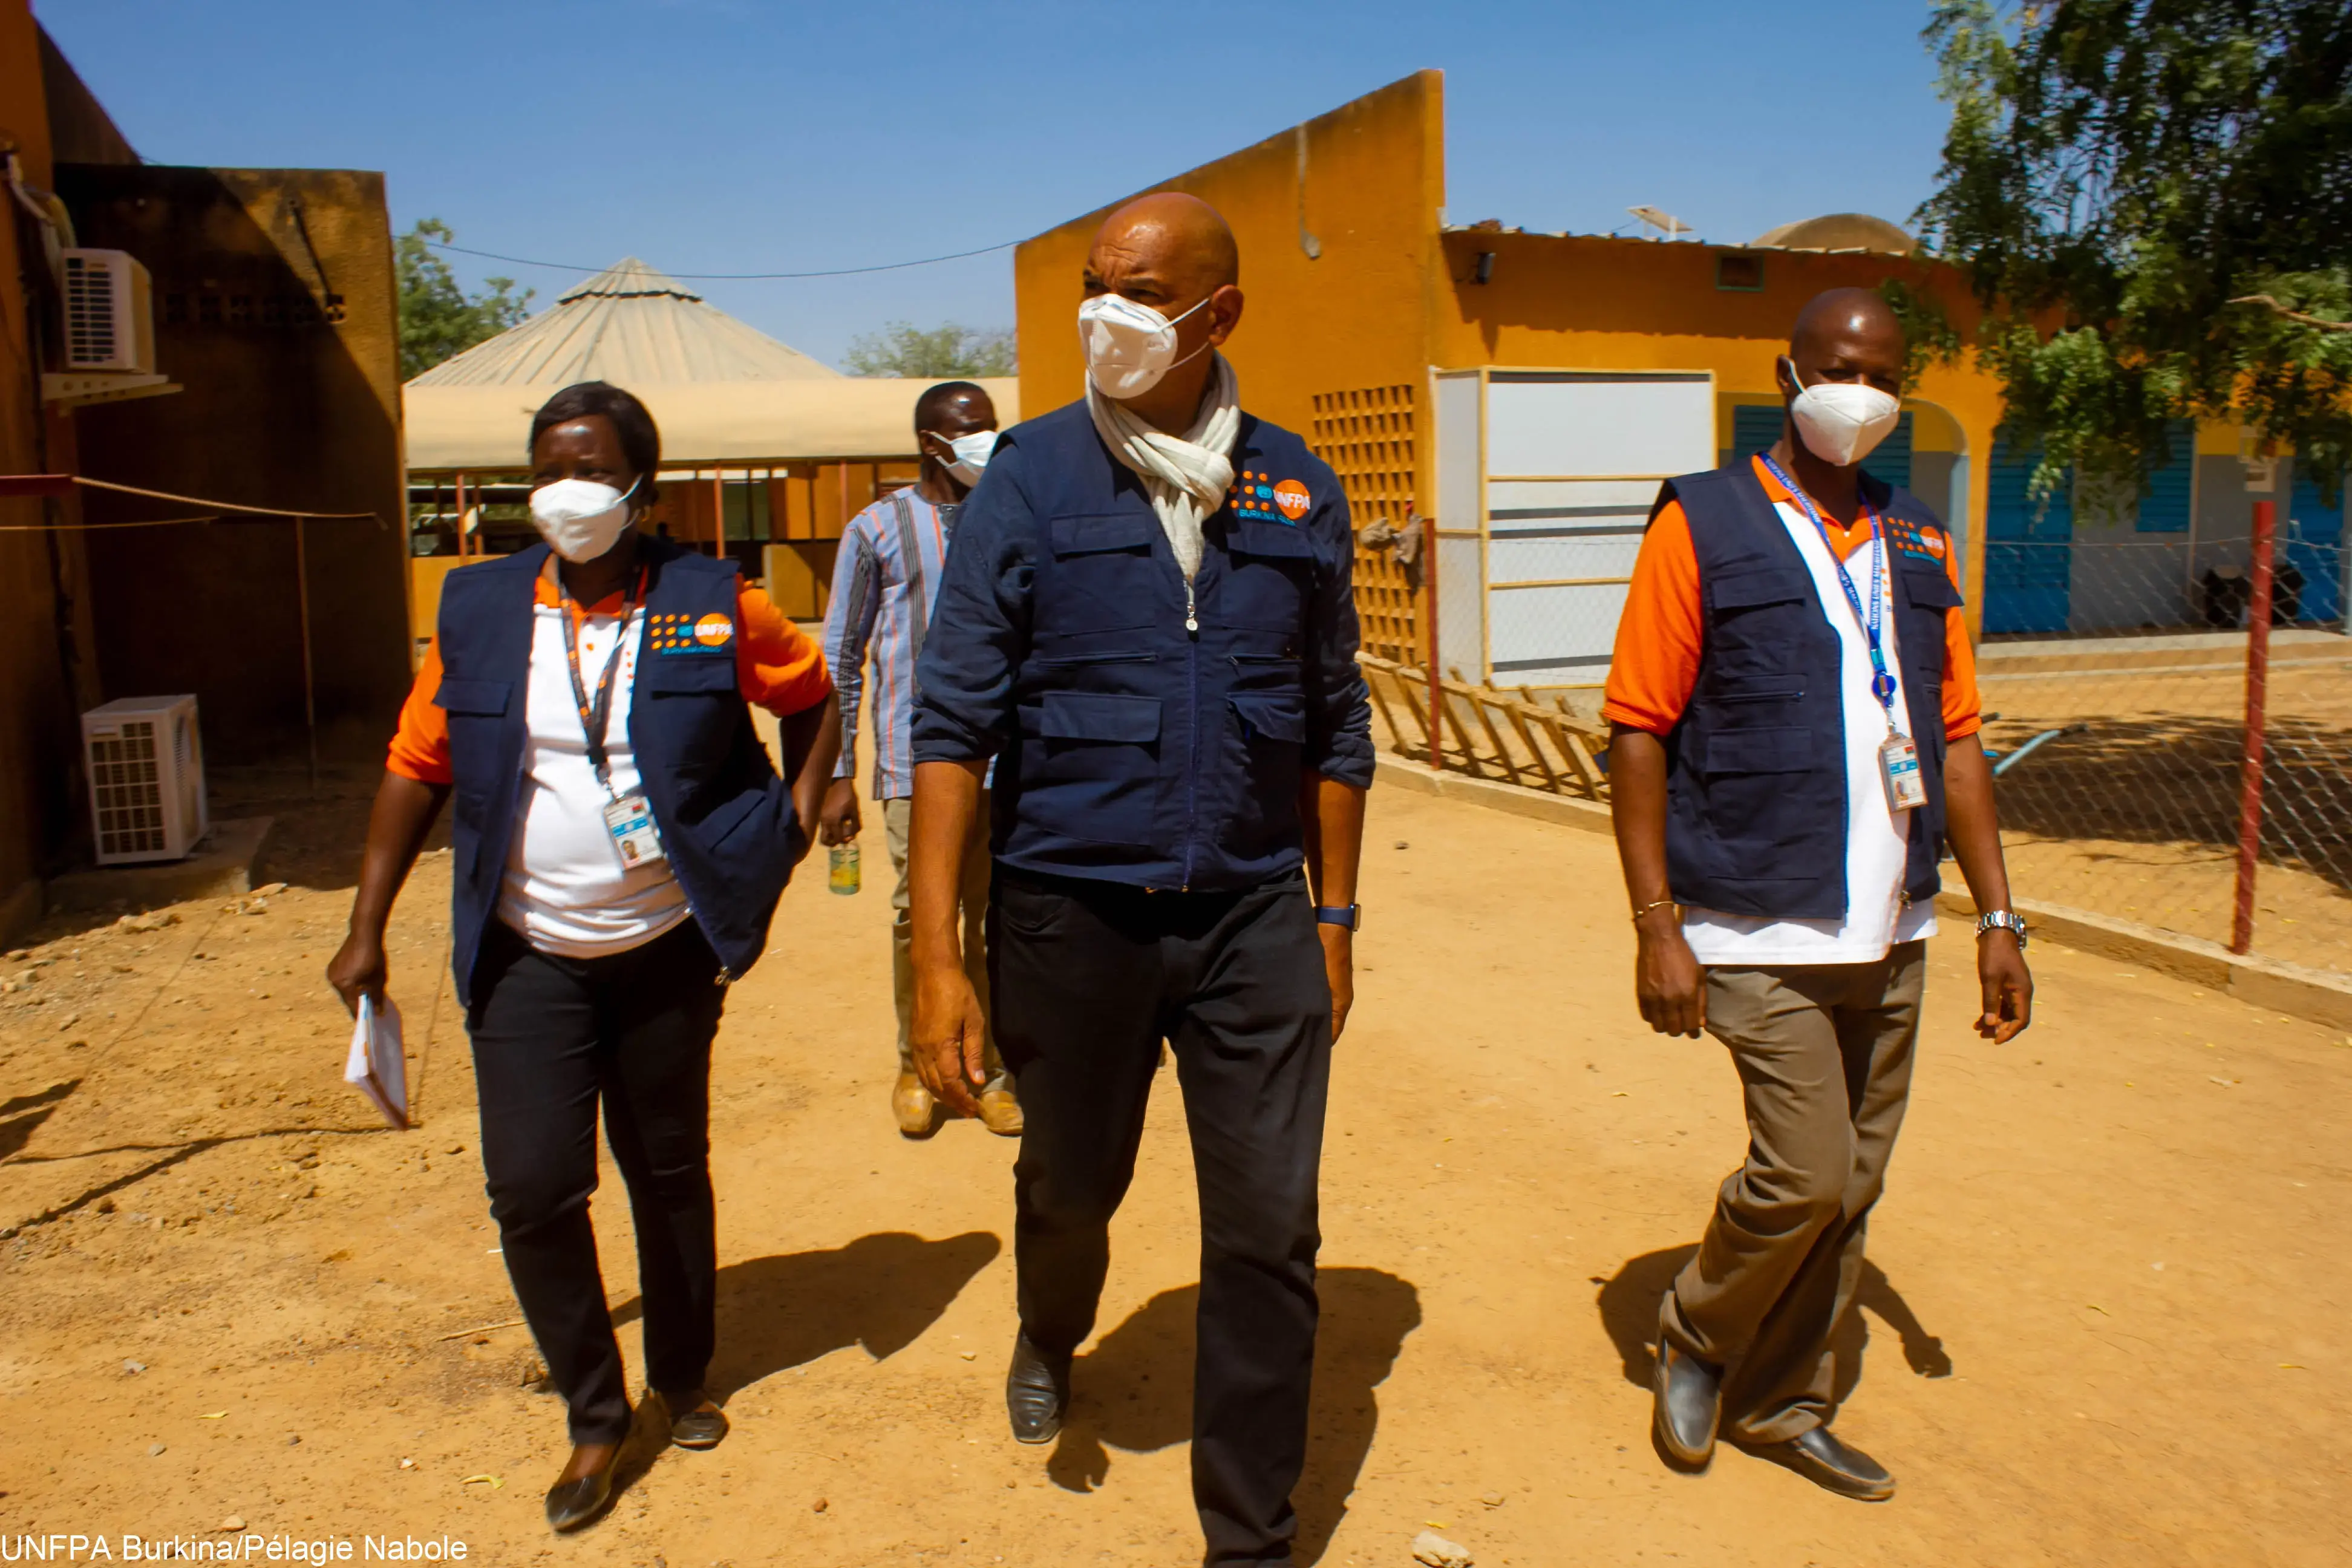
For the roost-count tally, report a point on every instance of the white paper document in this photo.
(378, 1067)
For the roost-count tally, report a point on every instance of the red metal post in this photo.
(460, 491)
(2258, 669)
(717, 514)
(1429, 629)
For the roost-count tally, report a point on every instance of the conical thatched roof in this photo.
(634, 327)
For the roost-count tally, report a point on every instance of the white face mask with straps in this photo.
(971, 454)
(1129, 347)
(580, 519)
(1842, 422)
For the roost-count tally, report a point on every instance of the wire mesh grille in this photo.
(129, 790)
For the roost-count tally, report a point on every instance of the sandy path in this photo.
(2101, 1319)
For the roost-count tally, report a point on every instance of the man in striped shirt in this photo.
(884, 582)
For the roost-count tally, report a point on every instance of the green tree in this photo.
(2153, 200)
(904, 349)
(438, 319)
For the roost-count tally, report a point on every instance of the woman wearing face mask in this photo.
(620, 841)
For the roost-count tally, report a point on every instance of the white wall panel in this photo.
(1554, 423)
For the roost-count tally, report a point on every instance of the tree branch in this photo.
(2271, 304)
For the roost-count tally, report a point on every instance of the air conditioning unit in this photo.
(146, 769)
(109, 313)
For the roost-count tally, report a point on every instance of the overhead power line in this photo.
(731, 277)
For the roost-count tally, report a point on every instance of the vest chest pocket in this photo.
(483, 699)
(1756, 620)
(664, 675)
(1267, 568)
(1100, 578)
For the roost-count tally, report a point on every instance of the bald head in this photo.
(1846, 334)
(1179, 239)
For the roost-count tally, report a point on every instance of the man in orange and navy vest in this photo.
(1793, 706)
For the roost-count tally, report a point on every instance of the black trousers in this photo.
(1088, 978)
(552, 1038)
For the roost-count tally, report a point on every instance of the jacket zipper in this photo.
(1192, 740)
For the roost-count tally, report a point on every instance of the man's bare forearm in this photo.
(1637, 808)
(1331, 820)
(946, 800)
(1972, 823)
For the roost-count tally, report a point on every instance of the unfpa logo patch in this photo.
(1259, 497)
(680, 632)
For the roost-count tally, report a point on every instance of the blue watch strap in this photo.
(1348, 915)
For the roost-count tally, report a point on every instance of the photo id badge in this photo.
(630, 821)
(1898, 768)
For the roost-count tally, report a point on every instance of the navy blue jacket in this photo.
(726, 820)
(1127, 750)
(1756, 772)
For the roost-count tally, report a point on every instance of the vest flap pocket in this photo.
(1929, 587)
(485, 697)
(1772, 586)
(1100, 716)
(1778, 751)
(1275, 715)
(689, 671)
(1270, 539)
(1104, 530)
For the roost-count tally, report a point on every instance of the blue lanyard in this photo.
(1882, 684)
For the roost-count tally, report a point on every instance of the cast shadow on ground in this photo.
(881, 1292)
(1134, 1391)
(1628, 1302)
(21, 1116)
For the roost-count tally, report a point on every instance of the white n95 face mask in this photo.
(1129, 346)
(971, 454)
(1842, 422)
(580, 519)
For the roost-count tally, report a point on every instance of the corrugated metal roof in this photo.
(634, 327)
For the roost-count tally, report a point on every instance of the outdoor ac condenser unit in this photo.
(109, 313)
(146, 778)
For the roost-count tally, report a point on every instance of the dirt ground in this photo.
(2100, 1322)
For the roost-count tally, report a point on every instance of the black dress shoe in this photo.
(1689, 1403)
(570, 1504)
(697, 1428)
(1036, 1391)
(1820, 1458)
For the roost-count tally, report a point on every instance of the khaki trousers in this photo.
(972, 898)
(1824, 1059)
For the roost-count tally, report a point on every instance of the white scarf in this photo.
(1186, 475)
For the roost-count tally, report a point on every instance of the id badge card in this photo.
(1898, 769)
(630, 821)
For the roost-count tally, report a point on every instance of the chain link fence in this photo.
(2114, 682)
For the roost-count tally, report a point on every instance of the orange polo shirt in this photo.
(777, 666)
(1659, 638)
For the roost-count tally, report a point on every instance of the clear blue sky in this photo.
(737, 136)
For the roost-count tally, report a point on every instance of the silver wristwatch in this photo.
(2003, 919)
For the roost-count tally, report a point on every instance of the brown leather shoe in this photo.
(1000, 1112)
(918, 1113)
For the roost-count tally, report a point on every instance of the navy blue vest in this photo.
(1755, 780)
(726, 820)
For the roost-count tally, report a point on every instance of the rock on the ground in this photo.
(1434, 1549)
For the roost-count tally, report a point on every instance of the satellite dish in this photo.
(1668, 225)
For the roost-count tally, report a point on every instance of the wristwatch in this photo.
(2003, 919)
(1348, 915)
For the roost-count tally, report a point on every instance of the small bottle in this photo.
(844, 876)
